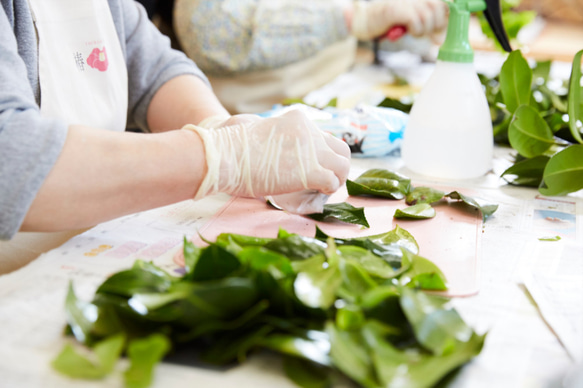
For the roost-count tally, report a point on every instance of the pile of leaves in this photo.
(335, 309)
(542, 122)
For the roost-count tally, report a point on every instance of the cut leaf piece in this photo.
(529, 133)
(487, 209)
(422, 273)
(344, 212)
(380, 183)
(423, 195)
(421, 211)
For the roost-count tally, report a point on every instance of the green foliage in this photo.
(378, 182)
(420, 211)
(336, 308)
(512, 20)
(541, 123)
(344, 212)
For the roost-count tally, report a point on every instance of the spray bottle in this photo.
(449, 133)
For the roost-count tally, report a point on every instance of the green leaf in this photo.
(350, 356)
(71, 363)
(564, 172)
(396, 104)
(370, 262)
(529, 133)
(438, 327)
(541, 72)
(422, 273)
(380, 183)
(421, 211)
(515, 81)
(191, 255)
(312, 345)
(355, 280)
(142, 278)
(553, 238)
(262, 259)
(80, 316)
(349, 317)
(527, 172)
(411, 368)
(306, 374)
(213, 263)
(344, 212)
(318, 289)
(423, 195)
(144, 354)
(487, 209)
(296, 247)
(575, 102)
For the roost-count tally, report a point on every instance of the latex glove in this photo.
(272, 156)
(372, 19)
(301, 202)
(218, 121)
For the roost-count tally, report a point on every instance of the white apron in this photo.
(82, 71)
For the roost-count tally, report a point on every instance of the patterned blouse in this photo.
(229, 37)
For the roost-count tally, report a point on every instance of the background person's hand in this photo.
(271, 156)
(372, 19)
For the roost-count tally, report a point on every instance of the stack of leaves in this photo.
(334, 308)
(542, 123)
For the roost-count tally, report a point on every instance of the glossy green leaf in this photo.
(355, 279)
(312, 345)
(350, 356)
(515, 81)
(422, 273)
(306, 374)
(487, 209)
(423, 195)
(438, 327)
(144, 354)
(370, 262)
(213, 263)
(262, 259)
(191, 255)
(75, 365)
(234, 346)
(421, 211)
(344, 212)
(80, 316)
(380, 183)
(527, 172)
(412, 368)
(143, 277)
(349, 317)
(575, 102)
(564, 172)
(528, 133)
(541, 72)
(296, 247)
(318, 289)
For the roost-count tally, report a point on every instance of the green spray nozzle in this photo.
(456, 47)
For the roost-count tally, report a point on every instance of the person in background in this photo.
(74, 74)
(260, 52)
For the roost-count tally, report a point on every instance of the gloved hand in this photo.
(372, 19)
(218, 121)
(271, 156)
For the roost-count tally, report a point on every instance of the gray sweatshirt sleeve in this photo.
(230, 37)
(29, 143)
(150, 60)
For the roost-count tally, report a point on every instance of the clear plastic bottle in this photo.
(449, 132)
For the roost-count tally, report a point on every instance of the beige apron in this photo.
(82, 70)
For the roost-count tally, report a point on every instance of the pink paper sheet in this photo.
(451, 239)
